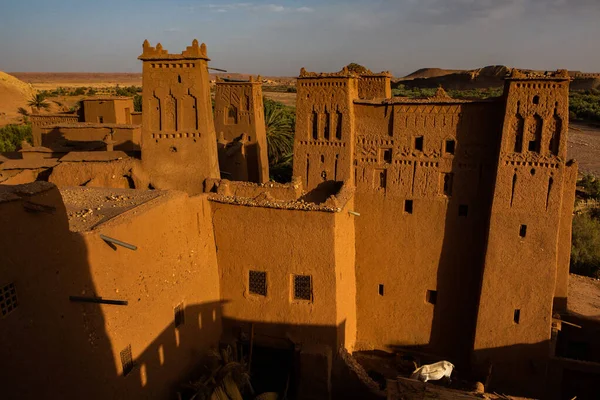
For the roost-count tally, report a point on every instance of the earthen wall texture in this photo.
(40, 120)
(175, 263)
(376, 86)
(125, 137)
(285, 244)
(179, 148)
(239, 110)
(108, 111)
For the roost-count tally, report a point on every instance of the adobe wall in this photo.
(324, 137)
(108, 110)
(126, 137)
(279, 191)
(179, 145)
(136, 118)
(267, 239)
(520, 273)
(112, 174)
(411, 237)
(375, 86)
(239, 110)
(175, 262)
(40, 120)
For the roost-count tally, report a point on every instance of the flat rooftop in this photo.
(88, 207)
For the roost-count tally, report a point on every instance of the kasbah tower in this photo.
(178, 131)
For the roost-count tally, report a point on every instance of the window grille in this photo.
(8, 299)
(302, 287)
(258, 282)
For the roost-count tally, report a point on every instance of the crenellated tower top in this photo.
(193, 52)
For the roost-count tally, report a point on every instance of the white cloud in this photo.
(305, 9)
(252, 7)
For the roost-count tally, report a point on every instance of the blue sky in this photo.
(278, 37)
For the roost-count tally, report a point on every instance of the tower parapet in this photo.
(179, 149)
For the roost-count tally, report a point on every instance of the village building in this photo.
(436, 226)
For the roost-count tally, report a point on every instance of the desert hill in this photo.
(13, 94)
(425, 73)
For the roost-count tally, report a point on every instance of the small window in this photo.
(431, 296)
(463, 210)
(381, 289)
(419, 143)
(8, 299)
(523, 231)
(126, 360)
(322, 158)
(386, 155)
(258, 282)
(517, 316)
(536, 99)
(408, 206)
(447, 183)
(179, 78)
(100, 120)
(449, 147)
(179, 315)
(302, 287)
(532, 145)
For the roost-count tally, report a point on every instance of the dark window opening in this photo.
(315, 125)
(408, 206)
(532, 172)
(126, 360)
(387, 155)
(179, 315)
(517, 316)
(324, 175)
(100, 120)
(523, 231)
(232, 115)
(322, 158)
(447, 188)
(8, 299)
(302, 287)
(536, 99)
(326, 128)
(382, 179)
(463, 210)
(338, 129)
(257, 282)
(450, 144)
(532, 145)
(419, 143)
(179, 78)
(431, 296)
(381, 289)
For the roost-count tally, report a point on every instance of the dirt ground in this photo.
(53, 80)
(584, 146)
(584, 296)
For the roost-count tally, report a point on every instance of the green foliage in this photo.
(280, 123)
(11, 137)
(137, 102)
(415, 93)
(585, 248)
(23, 111)
(91, 91)
(38, 101)
(585, 105)
(127, 91)
(591, 185)
(80, 91)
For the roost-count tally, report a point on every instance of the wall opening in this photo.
(523, 231)
(232, 115)
(381, 289)
(386, 155)
(326, 127)
(381, 178)
(391, 124)
(536, 99)
(447, 183)
(431, 296)
(126, 360)
(322, 158)
(535, 132)
(257, 282)
(179, 315)
(315, 125)
(519, 128)
(463, 210)
(449, 146)
(408, 206)
(338, 128)
(555, 139)
(302, 287)
(335, 167)
(517, 316)
(8, 299)
(179, 78)
(419, 143)
(514, 185)
(550, 183)
(307, 167)
(100, 120)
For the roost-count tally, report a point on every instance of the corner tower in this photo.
(324, 138)
(240, 117)
(179, 145)
(527, 257)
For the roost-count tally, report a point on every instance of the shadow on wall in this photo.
(322, 192)
(56, 348)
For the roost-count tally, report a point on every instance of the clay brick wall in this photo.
(40, 120)
(108, 110)
(175, 263)
(126, 137)
(375, 86)
(239, 110)
(179, 148)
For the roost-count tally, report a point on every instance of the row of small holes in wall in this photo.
(257, 284)
(126, 354)
(537, 85)
(8, 299)
(449, 145)
(430, 295)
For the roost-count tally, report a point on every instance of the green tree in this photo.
(279, 124)
(38, 101)
(137, 103)
(585, 245)
(11, 137)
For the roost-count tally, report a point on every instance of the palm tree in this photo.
(279, 123)
(23, 112)
(38, 101)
